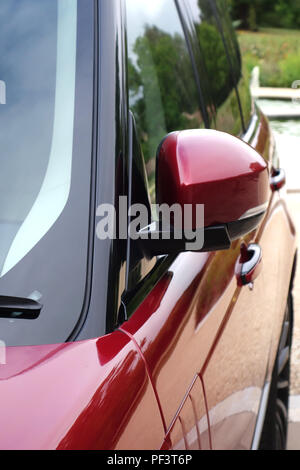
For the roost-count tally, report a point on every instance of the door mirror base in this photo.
(155, 242)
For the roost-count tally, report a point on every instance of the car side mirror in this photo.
(216, 170)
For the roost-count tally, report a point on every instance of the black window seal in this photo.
(91, 230)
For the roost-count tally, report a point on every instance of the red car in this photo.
(110, 341)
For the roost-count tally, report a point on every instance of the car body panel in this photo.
(188, 368)
(92, 394)
(243, 360)
(206, 326)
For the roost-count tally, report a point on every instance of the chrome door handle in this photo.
(277, 180)
(249, 264)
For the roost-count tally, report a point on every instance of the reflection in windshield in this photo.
(38, 51)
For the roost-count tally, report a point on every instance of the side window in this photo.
(242, 75)
(221, 72)
(163, 94)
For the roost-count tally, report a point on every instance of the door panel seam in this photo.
(149, 376)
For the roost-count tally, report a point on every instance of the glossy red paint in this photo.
(174, 343)
(187, 431)
(204, 326)
(187, 369)
(209, 331)
(212, 168)
(92, 394)
(185, 364)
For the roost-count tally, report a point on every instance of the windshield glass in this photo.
(44, 186)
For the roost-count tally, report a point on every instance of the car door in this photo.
(260, 310)
(207, 342)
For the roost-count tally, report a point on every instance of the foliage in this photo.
(252, 18)
(275, 51)
(275, 13)
(211, 42)
(161, 86)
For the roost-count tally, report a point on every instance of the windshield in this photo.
(44, 183)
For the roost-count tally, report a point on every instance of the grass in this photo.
(276, 51)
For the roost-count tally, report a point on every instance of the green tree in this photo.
(276, 13)
(211, 42)
(246, 12)
(162, 86)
